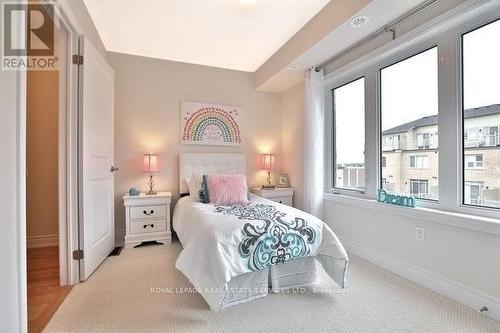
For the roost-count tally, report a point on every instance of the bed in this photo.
(235, 254)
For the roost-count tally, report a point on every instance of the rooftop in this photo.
(433, 120)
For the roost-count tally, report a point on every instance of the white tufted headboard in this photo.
(209, 163)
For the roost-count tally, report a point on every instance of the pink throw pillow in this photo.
(227, 189)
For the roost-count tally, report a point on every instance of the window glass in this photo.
(409, 114)
(349, 135)
(481, 116)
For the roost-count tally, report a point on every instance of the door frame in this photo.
(68, 160)
(68, 199)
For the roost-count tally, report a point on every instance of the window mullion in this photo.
(449, 121)
(372, 163)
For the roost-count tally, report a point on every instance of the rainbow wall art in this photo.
(210, 124)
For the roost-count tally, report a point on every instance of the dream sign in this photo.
(394, 199)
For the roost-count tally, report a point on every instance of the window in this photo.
(409, 119)
(419, 188)
(473, 193)
(418, 162)
(423, 141)
(474, 161)
(481, 116)
(349, 135)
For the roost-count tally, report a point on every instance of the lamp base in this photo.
(268, 187)
(151, 184)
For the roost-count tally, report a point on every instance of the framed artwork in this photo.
(283, 180)
(210, 124)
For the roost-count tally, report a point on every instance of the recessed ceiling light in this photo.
(247, 2)
(359, 21)
(294, 67)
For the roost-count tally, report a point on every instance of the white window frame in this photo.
(330, 170)
(476, 209)
(445, 33)
(388, 62)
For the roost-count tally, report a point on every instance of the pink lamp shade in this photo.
(150, 164)
(268, 162)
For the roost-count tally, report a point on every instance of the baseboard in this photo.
(451, 289)
(119, 237)
(42, 241)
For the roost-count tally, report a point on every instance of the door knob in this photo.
(113, 169)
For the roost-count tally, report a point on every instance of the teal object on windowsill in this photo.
(395, 199)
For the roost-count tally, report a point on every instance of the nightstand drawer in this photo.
(147, 212)
(284, 200)
(138, 227)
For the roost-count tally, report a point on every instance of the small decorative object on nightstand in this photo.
(282, 195)
(283, 180)
(147, 218)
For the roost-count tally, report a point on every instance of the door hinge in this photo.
(77, 254)
(77, 59)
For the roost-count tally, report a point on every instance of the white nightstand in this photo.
(147, 218)
(282, 195)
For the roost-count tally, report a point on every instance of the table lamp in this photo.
(268, 165)
(150, 165)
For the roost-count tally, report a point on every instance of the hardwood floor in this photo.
(44, 293)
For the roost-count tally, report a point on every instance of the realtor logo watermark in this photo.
(28, 36)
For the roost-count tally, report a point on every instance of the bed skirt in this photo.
(276, 279)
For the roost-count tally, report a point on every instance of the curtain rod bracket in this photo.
(393, 32)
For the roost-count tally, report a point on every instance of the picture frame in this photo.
(210, 124)
(283, 180)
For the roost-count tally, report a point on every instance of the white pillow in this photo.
(196, 187)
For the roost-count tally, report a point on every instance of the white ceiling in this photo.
(219, 33)
(380, 12)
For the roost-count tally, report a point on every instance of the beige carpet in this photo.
(118, 298)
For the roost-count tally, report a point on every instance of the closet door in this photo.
(96, 100)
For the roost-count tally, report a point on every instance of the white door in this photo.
(97, 227)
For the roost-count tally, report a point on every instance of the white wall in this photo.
(292, 139)
(148, 95)
(10, 301)
(469, 258)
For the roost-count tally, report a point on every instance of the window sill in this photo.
(466, 221)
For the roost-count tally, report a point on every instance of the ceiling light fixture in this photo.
(359, 21)
(247, 2)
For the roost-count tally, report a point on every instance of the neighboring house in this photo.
(410, 157)
(351, 176)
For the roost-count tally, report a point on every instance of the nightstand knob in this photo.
(150, 212)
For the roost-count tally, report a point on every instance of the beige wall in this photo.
(42, 153)
(292, 137)
(148, 94)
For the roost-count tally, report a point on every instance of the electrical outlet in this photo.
(419, 234)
